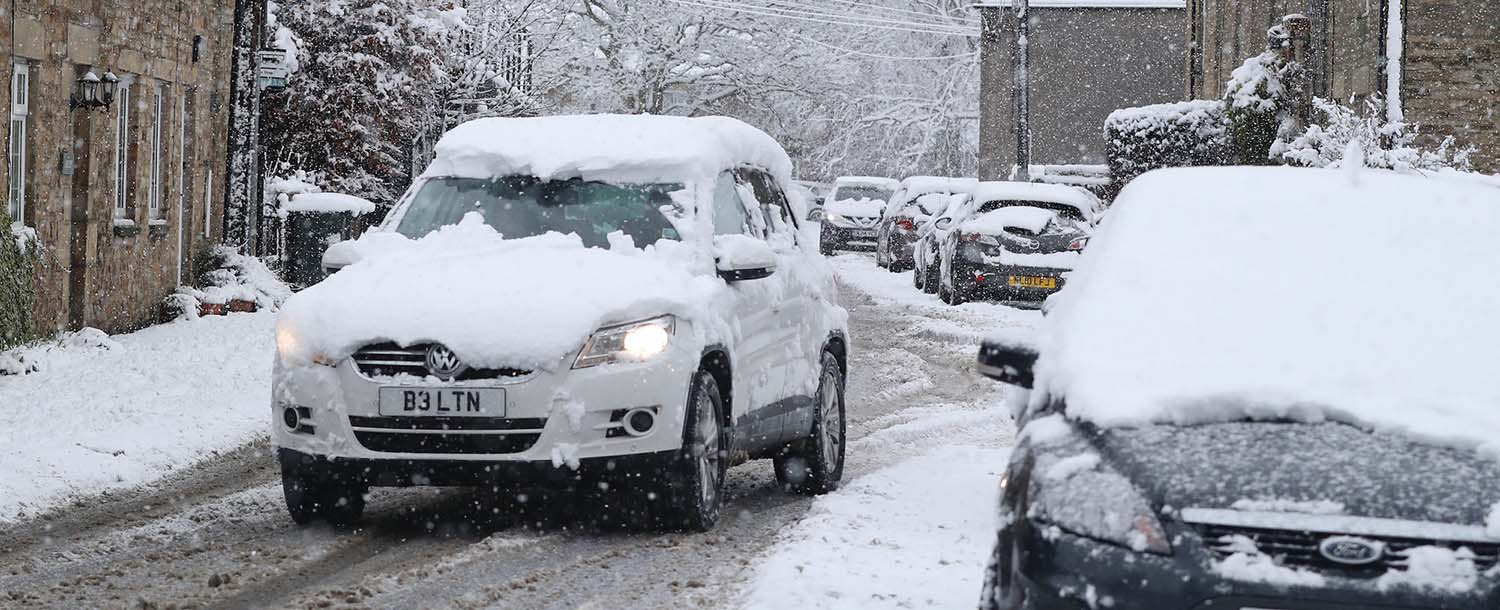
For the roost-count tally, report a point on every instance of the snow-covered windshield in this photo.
(856, 193)
(1066, 211)
(523, 206)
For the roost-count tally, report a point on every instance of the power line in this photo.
(846, 16)
(823, 18)
(878, 56)
(891, 11)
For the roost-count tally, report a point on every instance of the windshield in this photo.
(522, 206)
(1066, 211)
(855, 193)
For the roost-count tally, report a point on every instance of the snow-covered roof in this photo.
(610, 147)
(328, 203)
(919, 185)
(875, 181)
(1030, 191)
(1217, 294)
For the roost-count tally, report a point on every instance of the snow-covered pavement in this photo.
(910, 528)
(105, 412)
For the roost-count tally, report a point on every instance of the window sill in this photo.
(158, 229)
(126, 228)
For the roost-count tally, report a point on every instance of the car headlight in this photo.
(633, 342)
(831, 217)
(290, 350)
(1080, 495)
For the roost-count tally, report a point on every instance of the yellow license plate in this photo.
(1027, 281)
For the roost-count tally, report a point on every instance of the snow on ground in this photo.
(917, 529)
(99, 414)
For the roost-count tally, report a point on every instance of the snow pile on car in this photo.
(1220, 294)
(327, 203)
(524, 303)
(610, 148)
(1074, 197)
(920, 185)
(1025, 218)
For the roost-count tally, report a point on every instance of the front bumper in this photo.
(1061, 571)
(849, 235)
(560, 416)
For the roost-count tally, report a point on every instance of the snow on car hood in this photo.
(1220, 294)
(861, 208)
(523, 303)
(1026, 218)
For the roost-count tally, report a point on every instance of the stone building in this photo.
(1439, 59)
(1088, 58)
(123, 197)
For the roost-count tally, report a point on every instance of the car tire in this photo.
(956, 294)
(815, 465)
(695, 488)
(916, 280)
(308, 500)
(1001, 591)
(931, 284)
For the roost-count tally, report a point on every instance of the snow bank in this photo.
(434, 288)
(111, 412)
(1074, 197)
(870, 545)
(998, 221)
(1314, 299)
(610, 148)
(328, 203)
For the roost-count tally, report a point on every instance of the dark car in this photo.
(1013, 241)
(1283, 434)
(853, 209)
(917, 201)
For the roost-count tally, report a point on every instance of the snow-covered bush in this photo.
(1386, 144)
(230, 276)
(1138, 140)
(20, 251)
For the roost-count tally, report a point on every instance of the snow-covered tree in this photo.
(1386, 144)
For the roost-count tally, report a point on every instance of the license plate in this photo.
(866, 233)
(442, 402)
(1027, 281)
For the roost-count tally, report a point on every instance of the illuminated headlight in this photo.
(634, 342)
(290, 350)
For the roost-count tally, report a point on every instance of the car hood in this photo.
(1304, 467)
(525, 303)
(863, 208)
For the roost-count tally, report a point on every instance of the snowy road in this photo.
(909, 528)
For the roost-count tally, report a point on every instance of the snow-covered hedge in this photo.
(1138, 140)
(1386, 144)
(19, 253)
(231, 276)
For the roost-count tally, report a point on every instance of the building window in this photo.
(122, 152)
(20, 109)
(153, 201)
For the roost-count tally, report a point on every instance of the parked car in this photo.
(817, 192)
(917, 200)
(571, 326)
(852, 211)
(1012, 241)
(931, 234)
(1230, 407)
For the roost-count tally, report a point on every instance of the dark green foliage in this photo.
(1182, 134)
(17, 292)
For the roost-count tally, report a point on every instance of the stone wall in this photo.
(98, 270)
(1451, 80)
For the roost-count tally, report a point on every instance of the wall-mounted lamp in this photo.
(90, 91)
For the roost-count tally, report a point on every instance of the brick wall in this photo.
(96, 273)
(1451, 84)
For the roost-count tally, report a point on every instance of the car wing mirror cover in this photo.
(942, 224)
(340, 255)
(1009, 358)
(739, 258)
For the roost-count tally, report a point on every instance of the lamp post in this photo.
(92, 92)
(1023, 89)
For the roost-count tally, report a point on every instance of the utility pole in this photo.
(1023, 90)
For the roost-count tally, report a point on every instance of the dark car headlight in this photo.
(1078, 494)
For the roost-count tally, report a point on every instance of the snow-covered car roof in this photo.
(1220, 294)
(607, 147)
(1071, 196)
(875, 181)
(921, 185)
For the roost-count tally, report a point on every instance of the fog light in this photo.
(638, 422)
(290, 417)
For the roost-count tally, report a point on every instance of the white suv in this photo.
(619, 302)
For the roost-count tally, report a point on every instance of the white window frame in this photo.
(154, 191)
(208, 205)
(20, 112)
(122, 151)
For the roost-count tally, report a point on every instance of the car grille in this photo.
(447, 435)
(389, 359)
(1300, 548)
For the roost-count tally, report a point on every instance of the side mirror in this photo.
(340, 255)
(1008, 360)
(817, 214)
(740, 258)
(819, 200)
(943, 223)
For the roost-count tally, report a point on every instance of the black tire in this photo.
(309, 499)
(694, 489)
(916, 280)
(956, 295)
(931, 285)
(1001, 591)
(815, 465)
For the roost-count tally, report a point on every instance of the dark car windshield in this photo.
(523, 206)
(855, 193)
(1066, 211)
